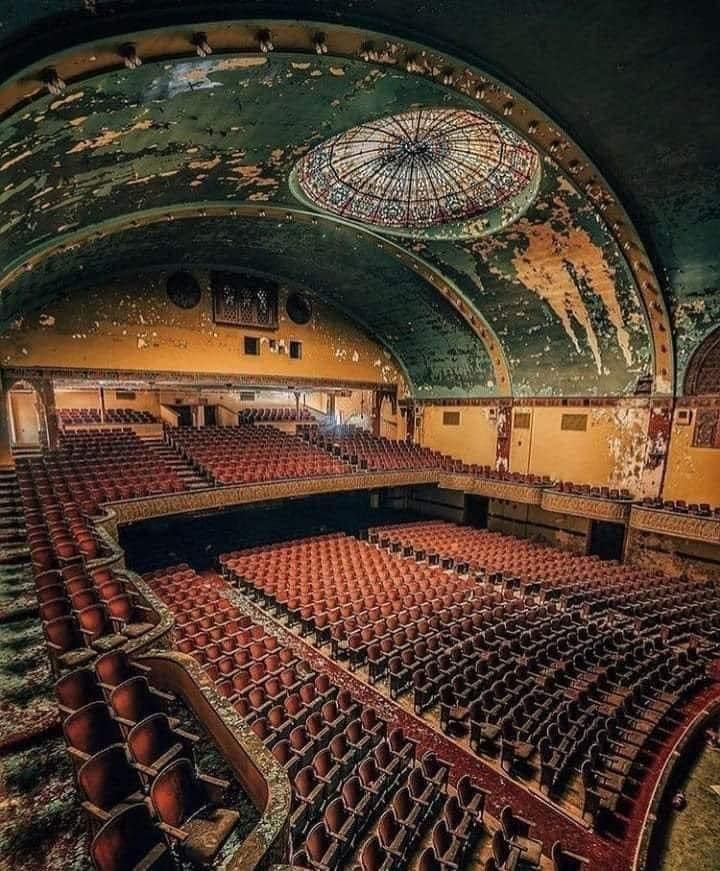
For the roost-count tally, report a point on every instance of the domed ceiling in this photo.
(546, 276)
(448, 173)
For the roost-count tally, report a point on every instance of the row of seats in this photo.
(472, 652)
(136, 772)
(612, 493)
(248, 454)
(701, 509)
(357, 784)
(274, 415)
(86, 416)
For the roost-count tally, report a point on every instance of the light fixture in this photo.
(131, 58)
(533, 127)
(264, 38)
(508, 108)
(448, 76)
(368, 52)
(53, 82)
(320, 43)
(202, 46)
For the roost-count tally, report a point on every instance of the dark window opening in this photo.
(252, 346)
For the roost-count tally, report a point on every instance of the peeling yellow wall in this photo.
(693, 474)
(131, 324)
(474, 441)
(610, 452)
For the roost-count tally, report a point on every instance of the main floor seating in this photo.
(564, 668)
(249, 454)
(359, 787)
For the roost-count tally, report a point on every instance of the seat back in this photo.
(90, 728)
(176, 794)
(126, 839)
(372, 856)
(113, 668)
(131, 699)
(107, 778)
(150, 739)
(63, 632)
(77, 689)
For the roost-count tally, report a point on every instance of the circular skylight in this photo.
(422, 170)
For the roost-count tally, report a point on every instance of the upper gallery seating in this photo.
(702, 509)
(114, 416)
(101, 466)
(592, 491)
(275, 415)
(435, 610)
(248, 454)
(358, 785)
(366, 451)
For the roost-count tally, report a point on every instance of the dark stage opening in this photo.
(199, 538)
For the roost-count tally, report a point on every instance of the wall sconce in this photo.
(264, 38)
(131, 58)
(320, 43)
(202, 46)
(53, 82)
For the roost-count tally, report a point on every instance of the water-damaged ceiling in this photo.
(554, 287)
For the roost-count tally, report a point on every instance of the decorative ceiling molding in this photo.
(377, 49)
(441, 285)
(702, 376)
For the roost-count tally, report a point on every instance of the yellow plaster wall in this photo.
(131, 324)
(474, 441)
(693, 474)
(610, 452)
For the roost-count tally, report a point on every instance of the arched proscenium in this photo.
(491, 94)
(431, 275)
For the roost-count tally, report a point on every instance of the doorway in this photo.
(211, 415)
(476, 511)
(24, 416)
(607, 540)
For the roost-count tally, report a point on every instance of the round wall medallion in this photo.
(298, 308)
(183, 290)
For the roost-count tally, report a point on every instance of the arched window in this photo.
(703, 373)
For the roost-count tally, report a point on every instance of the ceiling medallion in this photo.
(445, 173)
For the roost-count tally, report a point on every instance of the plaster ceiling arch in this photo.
(558, 290)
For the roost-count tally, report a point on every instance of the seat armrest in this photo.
(526, 825)
(167, 697)
(78, 755)
(187, 736)
(214, 785)
(123, 722)
(179, 834)
(149, 861)
(95, 811)
(147, 770)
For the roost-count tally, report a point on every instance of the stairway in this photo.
(12, 525)
(26, 452)
(191, 477)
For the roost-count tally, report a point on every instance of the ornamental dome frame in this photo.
(430, 172)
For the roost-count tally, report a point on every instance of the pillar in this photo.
(6, 457)
(45, 390)
(504, 438)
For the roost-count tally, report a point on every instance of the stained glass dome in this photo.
(423, 169)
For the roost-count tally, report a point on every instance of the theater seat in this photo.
(89, 730)
(153, 743)
(130, 840)
(76, 689)
(109, 783)
(187, 805)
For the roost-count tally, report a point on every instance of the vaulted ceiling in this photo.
(568, 300)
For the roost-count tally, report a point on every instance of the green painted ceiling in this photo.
(636, 84)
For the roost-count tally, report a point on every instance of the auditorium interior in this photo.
(359, 435)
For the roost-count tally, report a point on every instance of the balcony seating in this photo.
(188, 807)
(249, 454)
(109, 783)
(275, 415)
(129, 839)
(153, 743)
(78, 417)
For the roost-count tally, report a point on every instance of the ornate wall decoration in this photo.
(707, 428)
(421, 169)
(585, 506)
(673, 523)
(506, 490)
(244, 300)
(703, 373)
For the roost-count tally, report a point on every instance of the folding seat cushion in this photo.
(447, 848)
(188, 806)
(66, 644)
(97, 629)
(109, 783)
(129, 618)
(76, 689)
(153, 743)
(356, 798)
(471, 797)
(516, 830)
(342, 826)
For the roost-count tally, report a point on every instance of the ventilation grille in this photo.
(574, 422)
(521, 420)
(451, 418)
